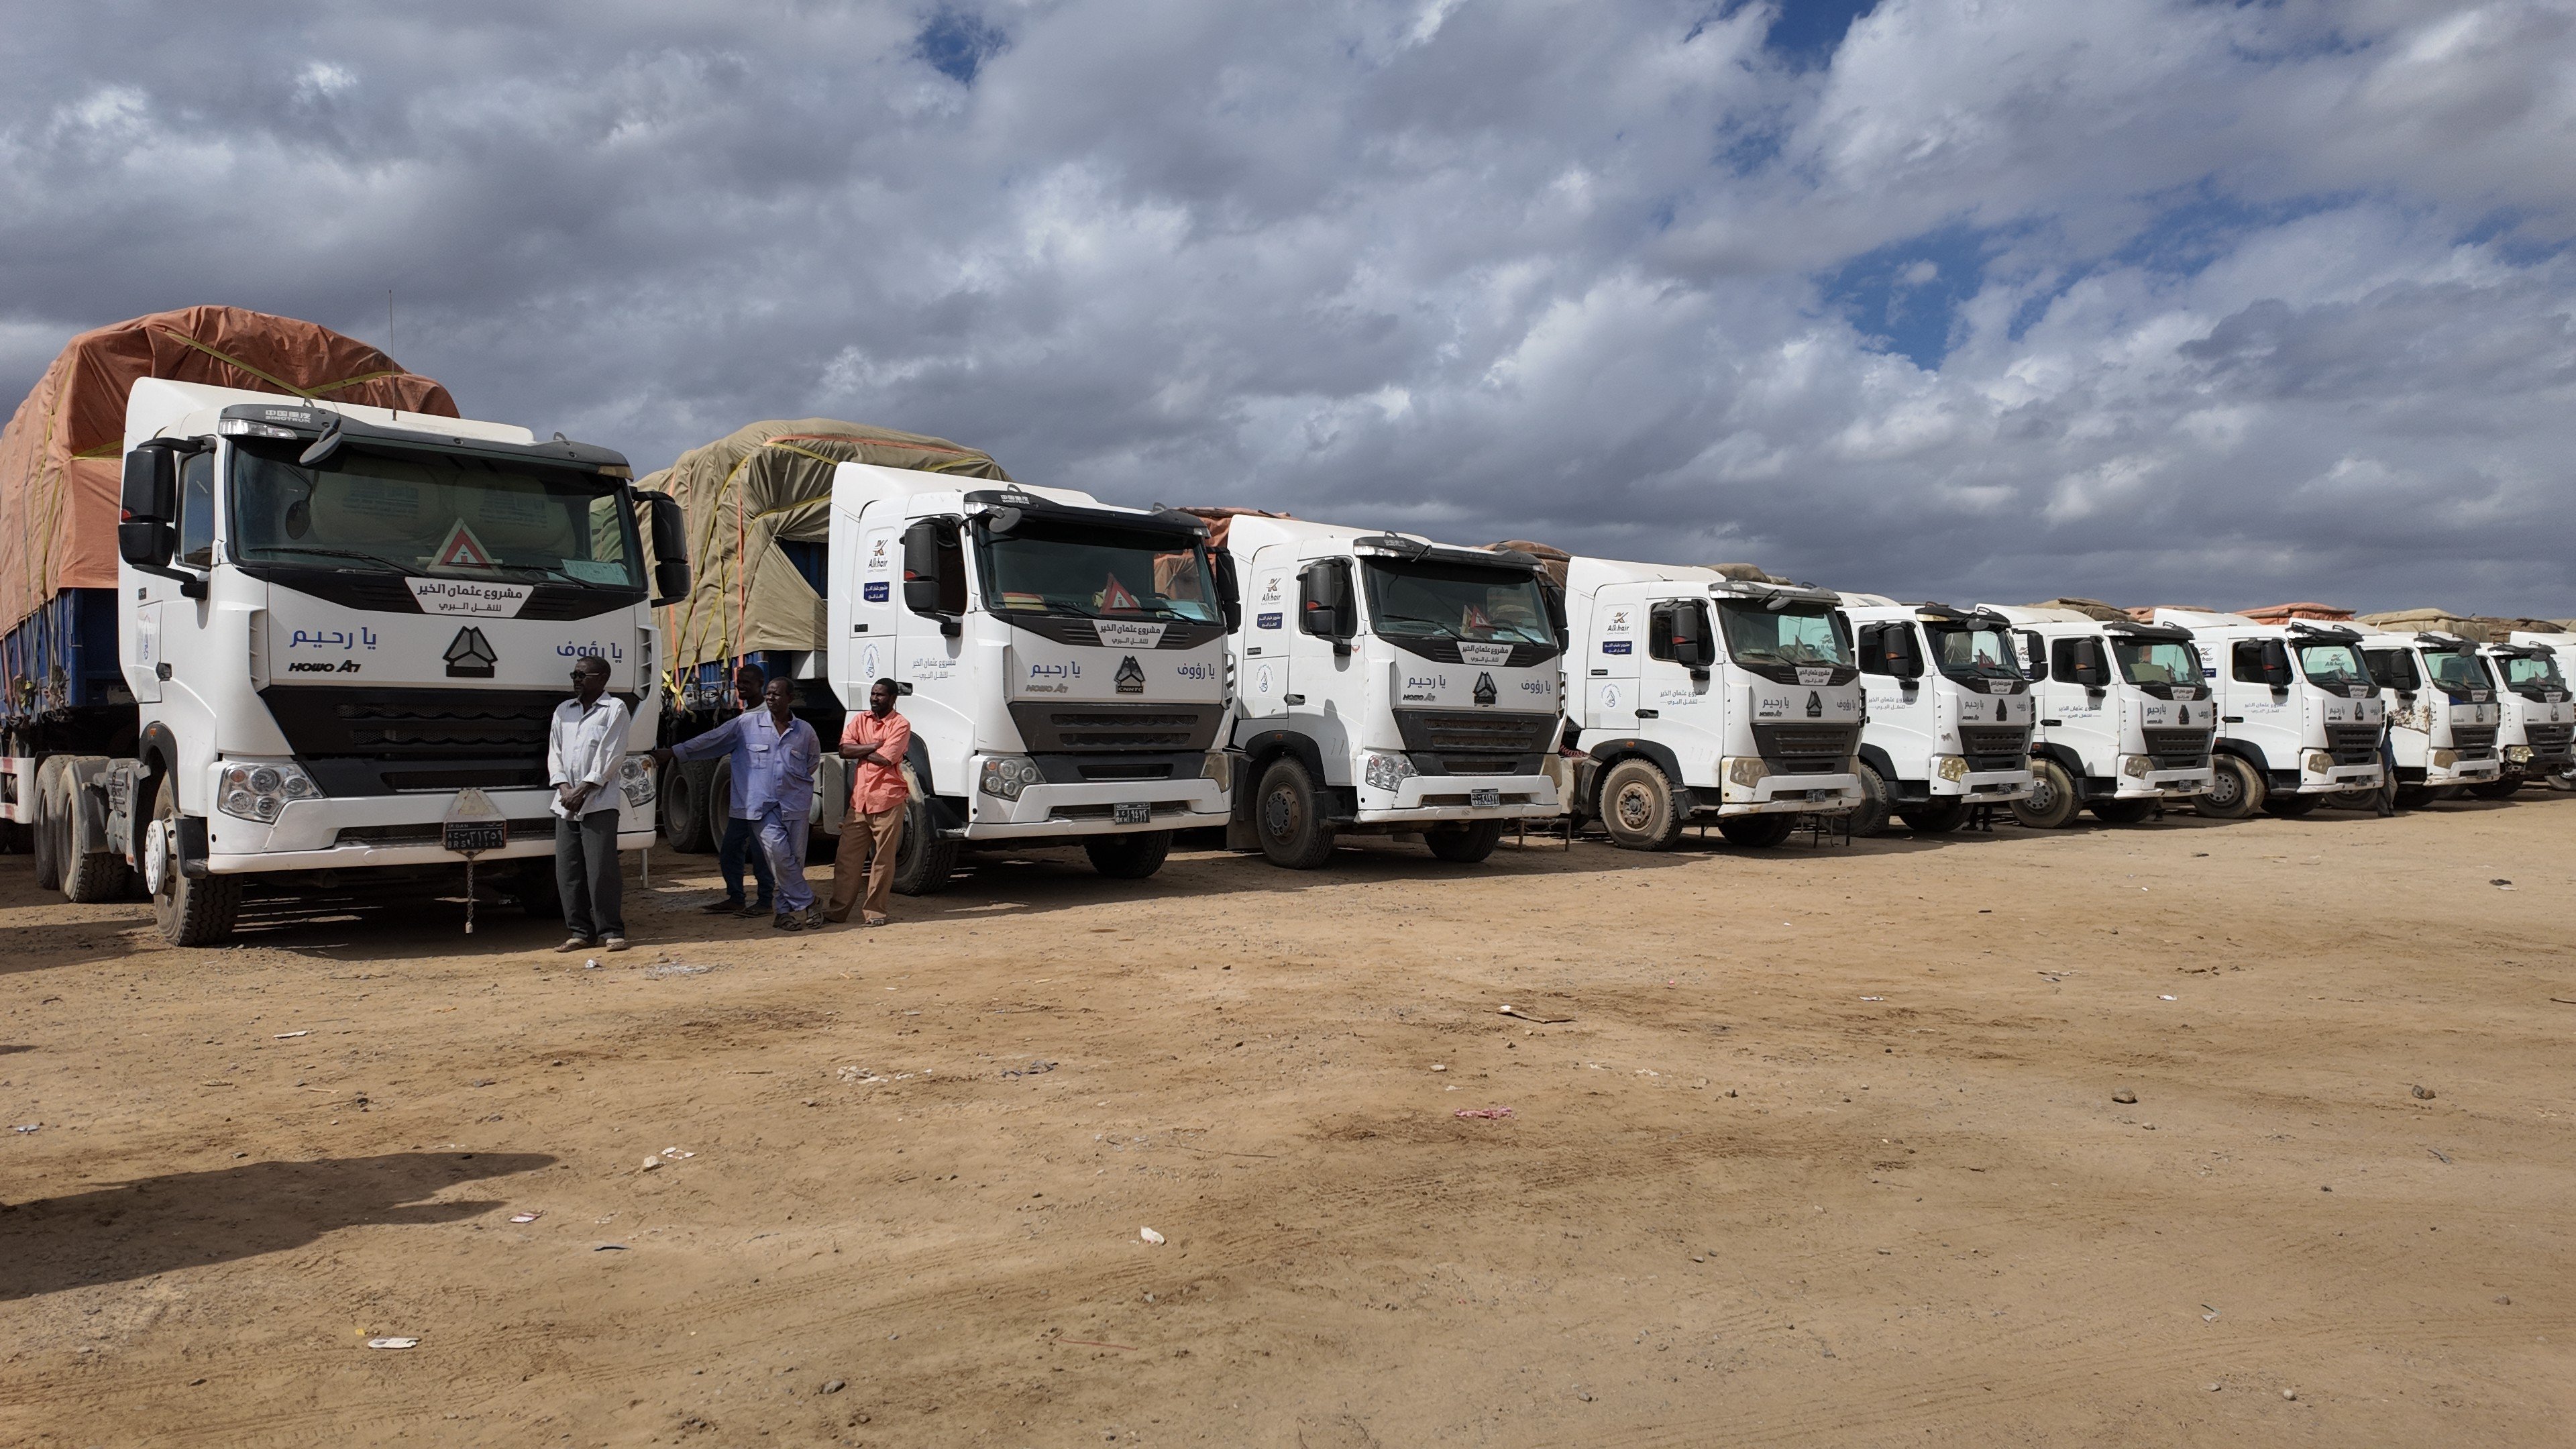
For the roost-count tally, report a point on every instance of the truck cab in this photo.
(1704, 698)
(2537, 733)
(1949, 713)
(1061, 661)
(1389, 685)
(2442, 712)
(345, 631)
(2299, 715)
(2124, 716)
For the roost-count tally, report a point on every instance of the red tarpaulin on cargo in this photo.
(62, 455)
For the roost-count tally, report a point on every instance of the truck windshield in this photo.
(2455, 671)
(1797, 634)
(442, 514)
(1101, 571)
(1966, 652)
(2156, 661)
(1427, 599)
(2333, 666)
(2522, 673)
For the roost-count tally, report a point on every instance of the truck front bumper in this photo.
(1983, 786)
(2163, 784)
(1091, 808)
(365, 832)
(1431, 799)
(1781, 794)
(2462, 772)
(2336, 778)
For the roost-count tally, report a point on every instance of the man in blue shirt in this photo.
(774, 756)
(741, 821)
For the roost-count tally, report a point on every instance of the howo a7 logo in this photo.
(1130, 677)
(469, 655)
(1486, 693)
(1815, 705)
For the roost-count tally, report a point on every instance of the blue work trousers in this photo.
(782, 839)
(730, 853)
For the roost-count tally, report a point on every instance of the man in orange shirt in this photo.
(874, 742)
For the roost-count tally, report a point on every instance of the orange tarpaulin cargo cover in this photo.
(62, 456)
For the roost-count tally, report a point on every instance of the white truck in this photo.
(2125, 719)
(2299, 716)
(1062, 662)
(2537, 733)
(1701, 697)
(1387, 684)
(1949, 713)
(342, 632)
(2442, 712)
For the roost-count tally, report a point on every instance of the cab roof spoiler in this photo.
(1020, 501)
(1775, 594)
(2332, 633)
(282, 421)
(2156, 633)
(2521, 651)
(1414, 550)
(1930, 612)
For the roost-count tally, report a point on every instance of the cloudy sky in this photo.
(1968, 299)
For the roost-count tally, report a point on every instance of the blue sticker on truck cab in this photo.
(878, 592)
(1268, 621)
(1615, 646)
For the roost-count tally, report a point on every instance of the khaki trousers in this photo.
(866, 851)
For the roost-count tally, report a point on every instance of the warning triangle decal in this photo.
(1476, 622)
(1114, 598)
(462, 550)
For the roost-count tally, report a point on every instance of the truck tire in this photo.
(1869, 818)
(1129, 857)
(92, 873)
(922, 861)
(1465, 844)
(197, 912)
(2122, 812)
(2414, 797)
(2291, 807)
(1637, 807)
(48, 845)
(1937, 818)
(2236, 790)
(2051, 804)
(1757, 831)
(1288, 816)
(539, 896)
(2497, 789)
(685, 822)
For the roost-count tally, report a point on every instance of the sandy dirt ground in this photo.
(1805, 1147)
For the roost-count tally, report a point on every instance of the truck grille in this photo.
(1806, 749)
(1096, 728)
(2352, 744)
(2549, 742)
(1483, 742)
(1995, 747)
(534, 827)
(2474, 742)
(2178, 749)
(378, 741)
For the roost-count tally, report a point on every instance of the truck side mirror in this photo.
(1325, 607)
(670, 547)
(2276, 664)
(1556, 621)
(1903, 659)
(2091, 671)
(150, 505)
(1229, 588)
(934, 575)
(1693, 648)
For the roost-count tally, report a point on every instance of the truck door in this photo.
(931, 658)
(876, 610)
(1269, 633)
(181, 627)
(1676, 700)
(1609, 682)
(1900, 702)
(1324, 675)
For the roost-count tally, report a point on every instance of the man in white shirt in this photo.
(584, 749)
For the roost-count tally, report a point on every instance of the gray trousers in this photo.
(586, 875)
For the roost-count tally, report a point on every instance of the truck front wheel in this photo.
(1465, 844)
(1935, 818)
(2051, 804)
(1129, 857)
(922, 861)
(1869, 818)
(2122, 812)
(1288, 816)
(1637, 807)
(2291, 807)
(1758, 831)
(190, 912)
(2236, 790)
(2497, 789)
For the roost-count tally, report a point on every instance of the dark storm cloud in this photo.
(2179, 302)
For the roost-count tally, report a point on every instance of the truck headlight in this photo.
(2518, 754)
(1747, 771)
(1007, 775)
(1950, 767)
(256, 791)
(2319, 762)
(1383, 771)
(1218, 766)
(2445, 759)
(635, 780)
(2136, 766)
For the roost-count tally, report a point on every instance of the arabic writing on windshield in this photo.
(423, 513)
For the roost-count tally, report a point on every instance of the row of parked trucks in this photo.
(333, 633)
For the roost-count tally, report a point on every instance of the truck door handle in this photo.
(2231, 719)
(1650, 714)
(160, 671)
(1293, 699)
(2056, 722)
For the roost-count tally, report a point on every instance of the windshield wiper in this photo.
(379, 562)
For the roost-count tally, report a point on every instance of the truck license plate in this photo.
(466, 836)
(1131, 814)
(1484, 799)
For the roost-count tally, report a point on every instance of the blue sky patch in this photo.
(1808, 32)
(956, 44)
(1905, 296)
